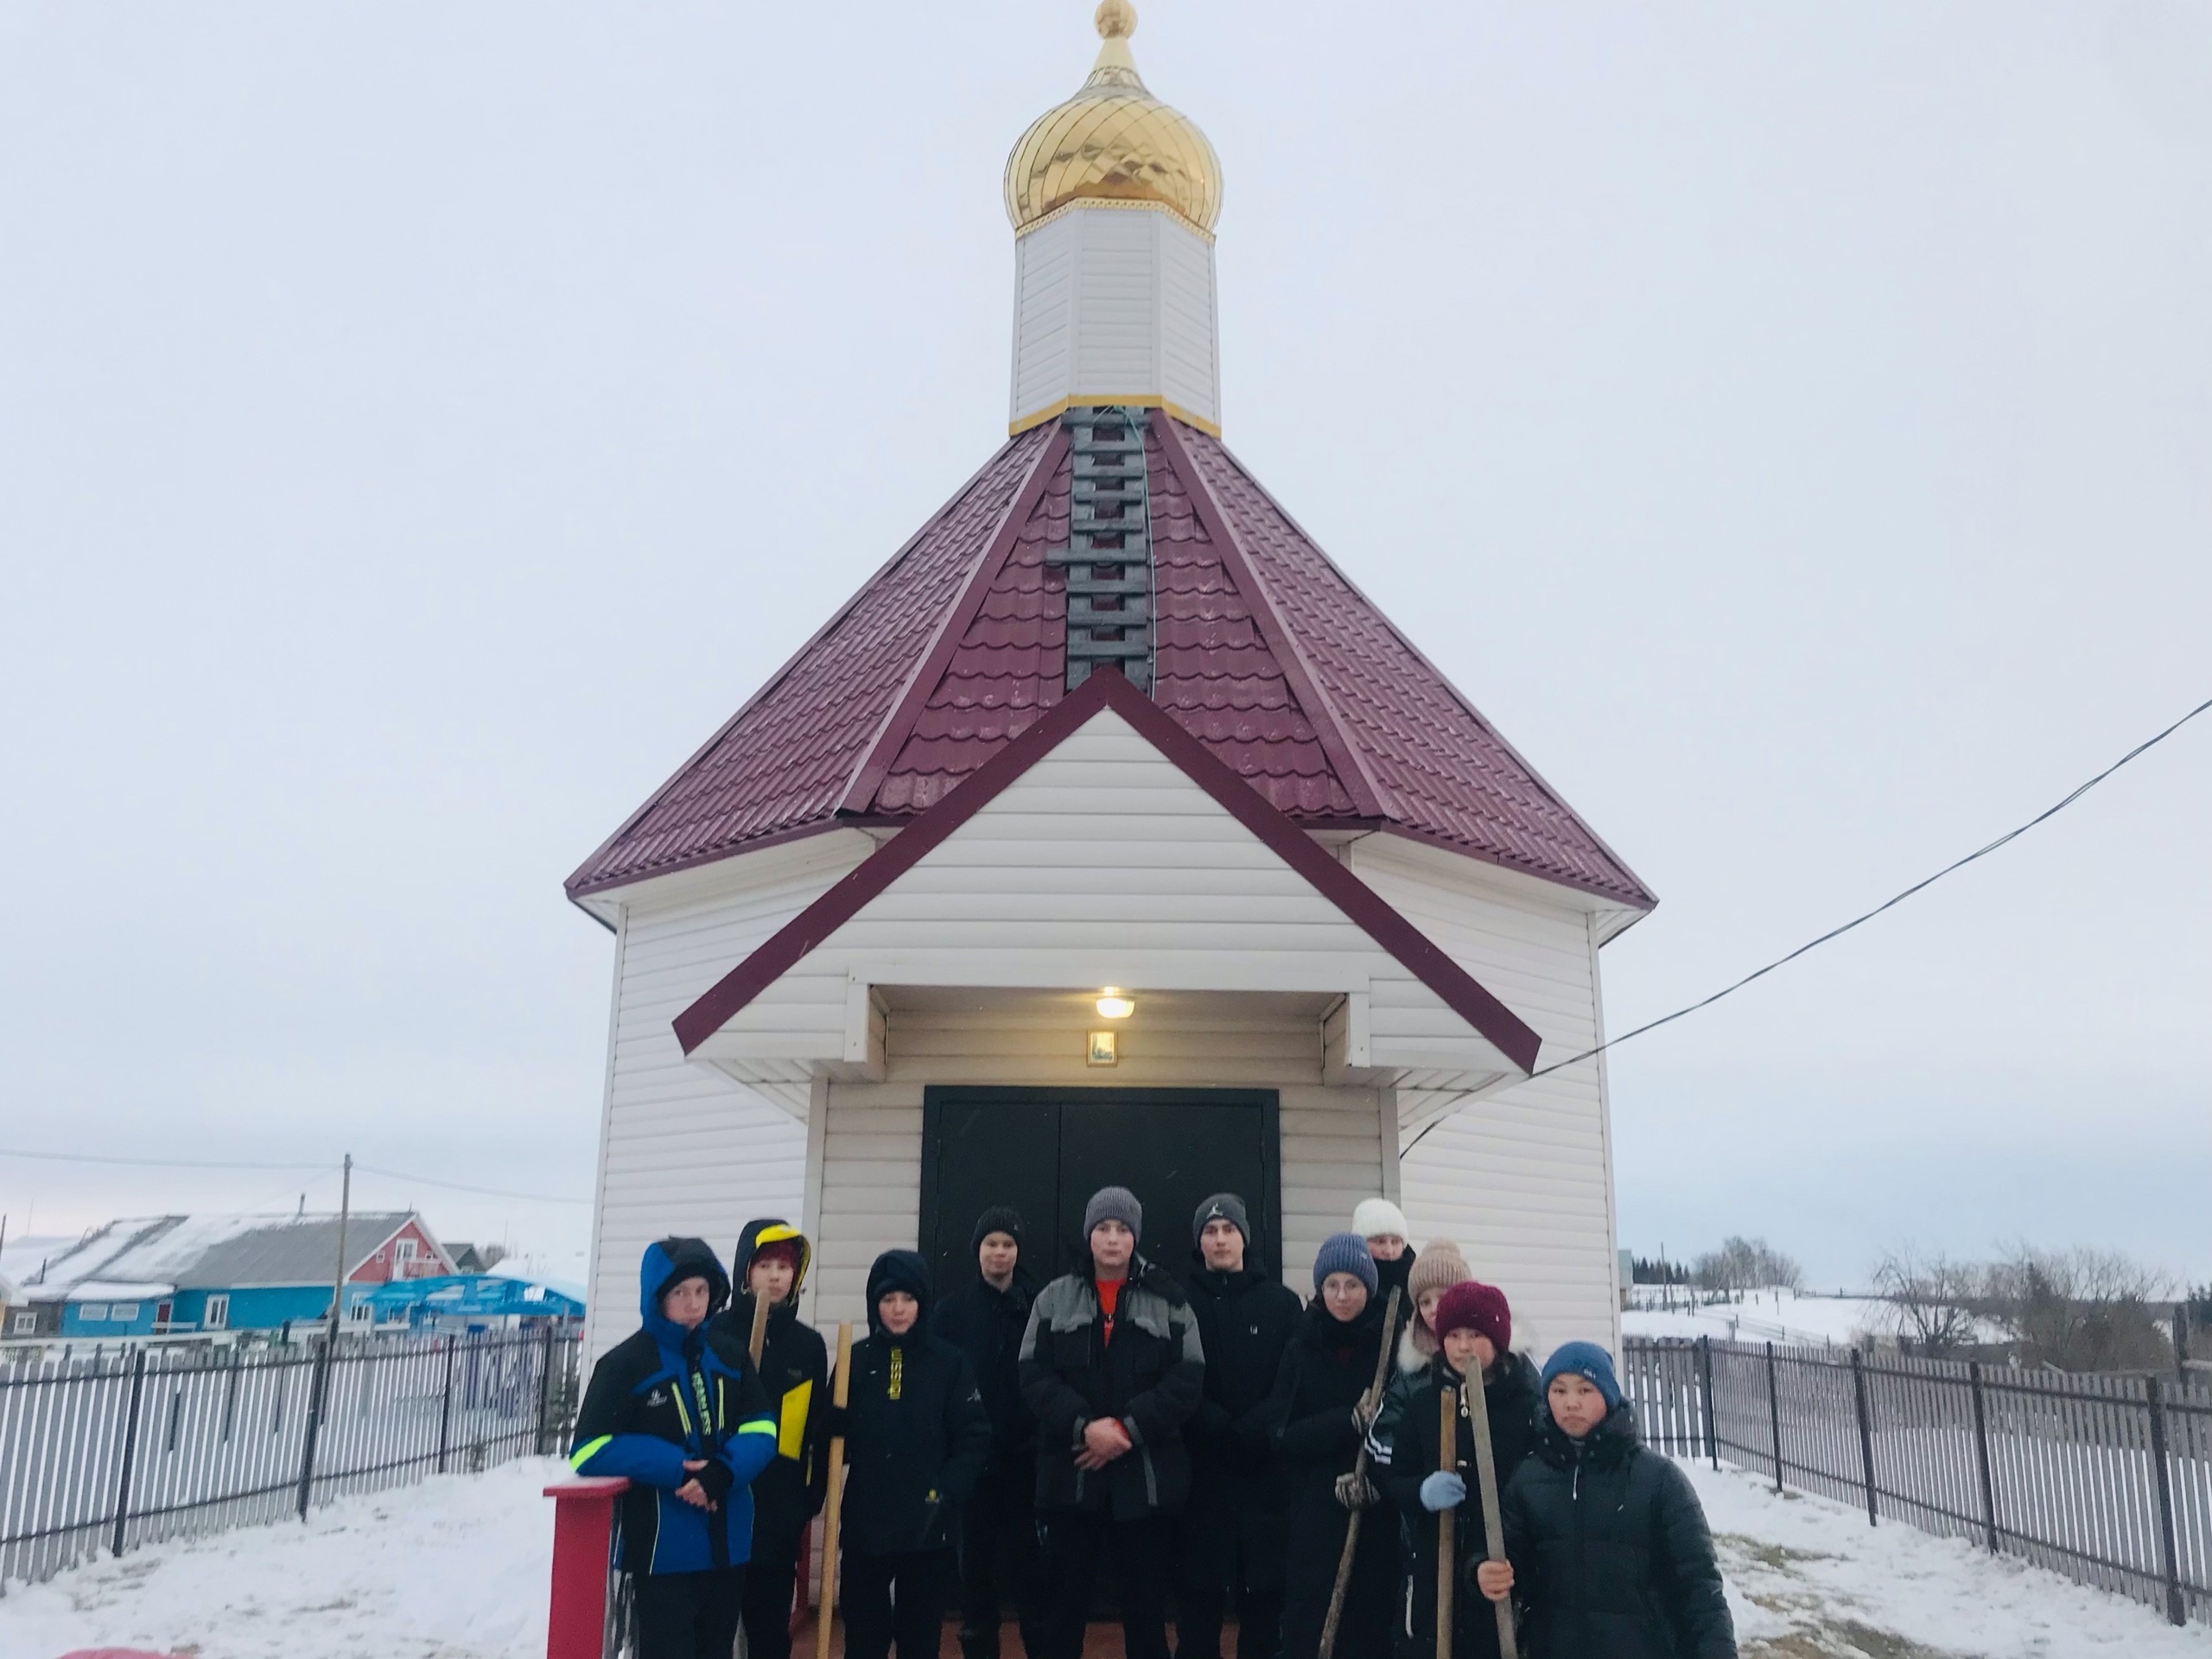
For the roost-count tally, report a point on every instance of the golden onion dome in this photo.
(1113, 141)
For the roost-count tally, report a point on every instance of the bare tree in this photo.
(1743, 1263)
(491, 1256)
(2081, 1310)
(1935, 1297)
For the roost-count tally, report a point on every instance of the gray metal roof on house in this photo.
(221, 1252)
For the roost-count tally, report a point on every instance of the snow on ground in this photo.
(1810, 1580)
(1780, 1316)
(454, 1568)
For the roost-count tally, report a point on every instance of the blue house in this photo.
(165, 1274)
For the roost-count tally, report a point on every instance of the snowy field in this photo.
(457, 1569)
(1777, 1316)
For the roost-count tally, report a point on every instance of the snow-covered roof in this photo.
(115, 1290)
(572, 1288)
(21, 1257)
(218, 1252)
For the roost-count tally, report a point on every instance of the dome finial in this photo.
(1117, 19)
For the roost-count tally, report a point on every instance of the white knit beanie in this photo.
(1373, 1217)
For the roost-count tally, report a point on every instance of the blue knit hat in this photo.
(1345, 1253)
(1589, 1362)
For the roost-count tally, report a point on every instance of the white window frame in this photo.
(26, 1322)
(217, 1315)
(92, 1313)
(361, 1312)
(122, 1312)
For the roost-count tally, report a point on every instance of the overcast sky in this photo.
(420, 425)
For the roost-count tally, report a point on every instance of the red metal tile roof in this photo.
(1263, 652)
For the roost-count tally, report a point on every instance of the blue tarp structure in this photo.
(471, 1296)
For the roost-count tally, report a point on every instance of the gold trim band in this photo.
(1053, 411)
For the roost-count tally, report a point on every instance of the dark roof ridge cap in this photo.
(1458, 696)
(574, 887)
(1365, 790)
(1514, 1039)
(929, 668)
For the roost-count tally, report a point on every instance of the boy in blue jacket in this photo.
(688, 1428)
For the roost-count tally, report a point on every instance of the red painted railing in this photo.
(583, 1534)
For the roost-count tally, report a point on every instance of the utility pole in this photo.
(338, 1282)
(319, 1389)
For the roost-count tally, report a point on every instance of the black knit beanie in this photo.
(999, 1219)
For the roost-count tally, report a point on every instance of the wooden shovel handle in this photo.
(833, 1509)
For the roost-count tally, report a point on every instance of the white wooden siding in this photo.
(1115, 305)
(1102, 864)
(683, 1149)
(1521, 1179)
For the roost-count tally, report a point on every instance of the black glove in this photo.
(715, 1480)
(836, 1420)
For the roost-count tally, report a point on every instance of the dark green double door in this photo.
(1046, 1151)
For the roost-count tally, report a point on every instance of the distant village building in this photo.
(1109, 833)
(164, 1274)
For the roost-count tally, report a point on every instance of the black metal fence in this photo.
(2106, 1479)
(107, 1451)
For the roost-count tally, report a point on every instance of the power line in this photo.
(2049, 812)
(196, 1163)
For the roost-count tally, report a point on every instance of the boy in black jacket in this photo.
(772, 1260)
(1112, 1367)
(1607, 1543)
(915, 1440)
(998, 1525)
(1473, 1326)
(1233, 1532)
(689, 1430)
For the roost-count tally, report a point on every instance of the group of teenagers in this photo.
(1199, 1436)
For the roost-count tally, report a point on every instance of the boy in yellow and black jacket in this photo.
(772, 1260)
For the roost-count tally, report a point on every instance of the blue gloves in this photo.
(1443, 1490)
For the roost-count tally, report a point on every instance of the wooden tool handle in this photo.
(833, 1508)
(1448, 1524)
(1373, 1399)
(759, 1338)
(1493, 1524)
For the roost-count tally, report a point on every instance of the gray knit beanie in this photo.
(1225, 1206)
(1345, 1253)
(1114, 1203)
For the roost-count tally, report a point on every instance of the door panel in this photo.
(1045, 1152)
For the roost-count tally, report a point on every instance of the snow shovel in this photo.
(1372, 1399)
(1493, 1523)
(1447, 1525)
(833, 1508)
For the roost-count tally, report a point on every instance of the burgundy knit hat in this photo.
(1477, 1307)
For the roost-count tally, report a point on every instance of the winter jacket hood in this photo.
(770, 1230)
(667, 1262)
(900, 1270)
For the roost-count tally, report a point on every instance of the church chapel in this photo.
(1109, 833)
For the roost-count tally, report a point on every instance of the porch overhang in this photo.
(1104, 846)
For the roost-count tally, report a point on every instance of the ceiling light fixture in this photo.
(1112, 1005)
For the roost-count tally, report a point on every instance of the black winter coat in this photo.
(1326, 1367)
(1509, 1396)
(1611, 1553)
(986, 1324)
(1246, 1320)
(916, 1437)
(795, 1372)
(1151, 1376)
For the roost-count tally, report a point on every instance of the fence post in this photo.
(1705, 1362)
(2169, 1560)
(2181, 1343)
(130, 1449)
(1865, 1431)
(318, 1394)
(545, 1391)
(1774, 1414)
(445, 1410)
(1981, 1454)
